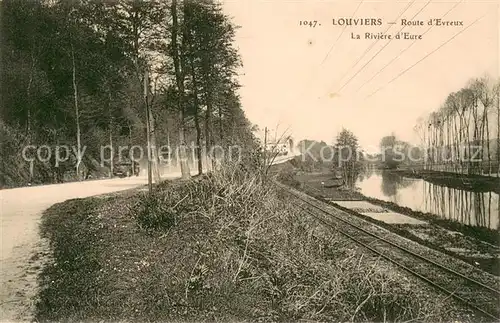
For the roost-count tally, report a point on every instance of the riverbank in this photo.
(476, 183)
(224, 247)
(475, 245)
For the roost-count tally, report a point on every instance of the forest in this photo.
(88, 74)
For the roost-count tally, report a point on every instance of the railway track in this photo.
(478, 296)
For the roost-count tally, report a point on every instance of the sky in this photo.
(313, 81)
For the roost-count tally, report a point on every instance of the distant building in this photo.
(280, 148)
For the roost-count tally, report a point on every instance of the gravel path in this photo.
(23, 251)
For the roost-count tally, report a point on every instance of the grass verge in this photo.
(224, 247)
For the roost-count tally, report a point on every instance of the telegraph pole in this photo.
(265, 147)
(498, 132)
(148, 129)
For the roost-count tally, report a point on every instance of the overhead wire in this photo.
(404, 50)
(426, 56)
(381, 49)
(327, 54)
(340, 35)
(373, 43)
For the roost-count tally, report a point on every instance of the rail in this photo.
(476, 295)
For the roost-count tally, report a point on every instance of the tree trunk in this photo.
(28, 96)
(221, 134)
(467, 138)
(461, 139)
(209, 136)
(486, 122)
(111, 165)
(150, 128)
(179, 77)
(475, 137)
(196, 117)
(29, 117)
(169, 147)
(130, 145)
(198, 141)
(154, 149)
(77, 114)
(208, 139)
(498, 136)
(456, 144)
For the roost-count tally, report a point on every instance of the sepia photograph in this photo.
(250, 160)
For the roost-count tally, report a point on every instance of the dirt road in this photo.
(22, 250)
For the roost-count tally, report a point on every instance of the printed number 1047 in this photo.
(310, 23)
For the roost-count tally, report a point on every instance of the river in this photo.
(467, 207)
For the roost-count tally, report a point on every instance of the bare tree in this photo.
(179, 77)
(461, 129)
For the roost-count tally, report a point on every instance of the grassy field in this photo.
(224, 247)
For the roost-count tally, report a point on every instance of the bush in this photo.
(223, 247)
(288, 178)
(253, 243)
(154, 214)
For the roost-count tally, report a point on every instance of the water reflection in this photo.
(472, 208)
(392, 182)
